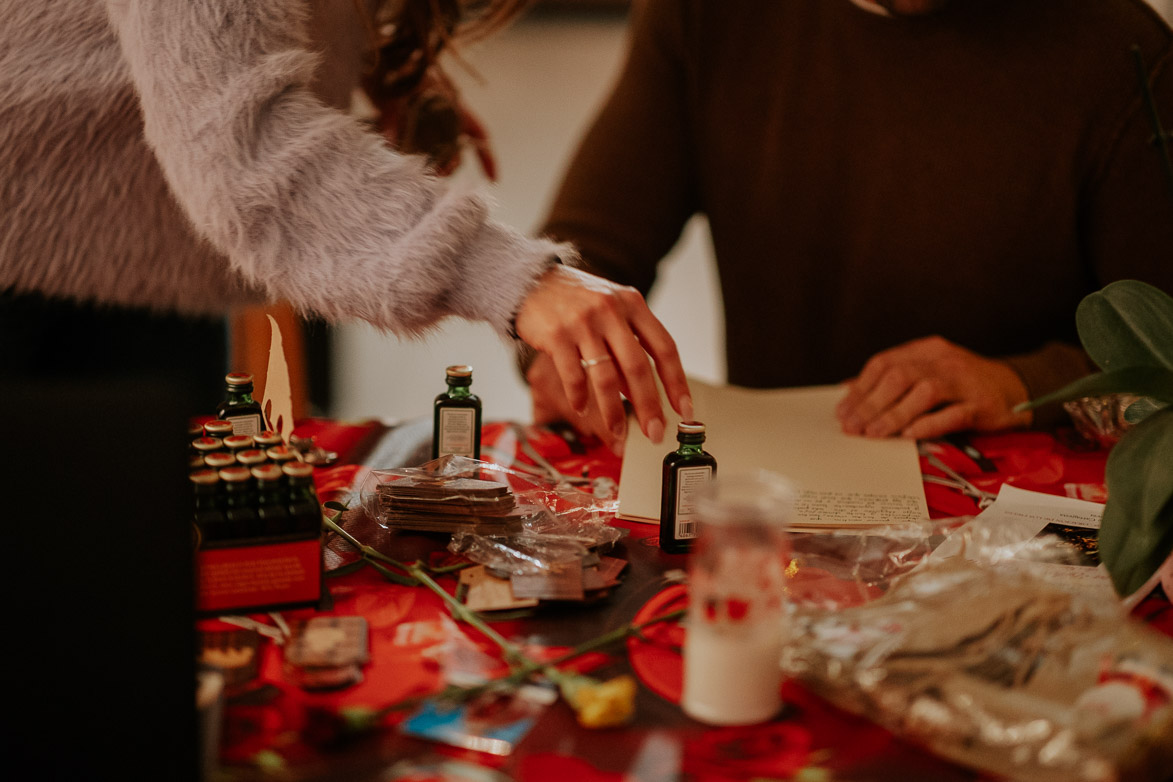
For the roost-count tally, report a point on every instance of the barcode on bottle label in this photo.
(689, 482)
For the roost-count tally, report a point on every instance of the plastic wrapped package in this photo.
(461, 495)
(518, 555)
(994, 668)
(842, 568)
(570, 527)
(1101, 419)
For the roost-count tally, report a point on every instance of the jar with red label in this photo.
(736, 622)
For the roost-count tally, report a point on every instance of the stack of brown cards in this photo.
(448, 504)
(585, 581)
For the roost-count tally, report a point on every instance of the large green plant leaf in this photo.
(1127, 324)
(1155, 382)
(1136, 534)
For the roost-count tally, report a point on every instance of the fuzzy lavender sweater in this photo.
(190, 155)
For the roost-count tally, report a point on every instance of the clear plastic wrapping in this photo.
(1101, 419)
(518, 555)
(986, 664)
(505, 519)
(841, 568)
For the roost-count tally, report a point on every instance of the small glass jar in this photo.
(305, 511)
(456, 418)
(238, 406)
(737, 618)
(272, 499)
(207, 504)
(240, 502)
(686, 472)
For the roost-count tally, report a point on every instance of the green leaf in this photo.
(1155, 382)
(1136, 534)
(1140, 410)
(1127, 324)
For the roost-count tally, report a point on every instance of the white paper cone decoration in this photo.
(277, 402)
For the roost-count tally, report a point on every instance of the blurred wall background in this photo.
(536, 87)
(540, 82)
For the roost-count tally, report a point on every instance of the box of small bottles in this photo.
(258, 522)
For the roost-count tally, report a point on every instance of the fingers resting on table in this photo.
(602, 343)
(930, 387)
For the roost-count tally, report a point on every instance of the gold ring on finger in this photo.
(587, 363)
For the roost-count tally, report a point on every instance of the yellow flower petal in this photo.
(605, 704)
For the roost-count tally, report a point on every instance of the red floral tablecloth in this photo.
(279, 723)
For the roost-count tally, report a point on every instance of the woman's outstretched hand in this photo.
(598, 336)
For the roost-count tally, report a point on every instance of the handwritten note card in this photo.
(842, 481)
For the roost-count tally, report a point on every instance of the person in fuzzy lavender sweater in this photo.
(162, 161)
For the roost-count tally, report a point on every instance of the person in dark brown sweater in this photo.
(914, 203)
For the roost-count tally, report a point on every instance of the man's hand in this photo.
(930, 387)
(552, 406)
(595, 338)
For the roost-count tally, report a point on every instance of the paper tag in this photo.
(562, 584)
(604, 575)
(488, 593)
(328, 641)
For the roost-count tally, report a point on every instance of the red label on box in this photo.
(269, 574)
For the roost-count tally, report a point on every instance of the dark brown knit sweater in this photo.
(868, 180)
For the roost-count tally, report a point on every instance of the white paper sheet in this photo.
(842, 481)
(1019, 516)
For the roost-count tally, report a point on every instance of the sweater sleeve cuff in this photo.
(1048, 369)
(499, 272)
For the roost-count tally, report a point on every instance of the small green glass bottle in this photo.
(305, 510)
(686, 471)
(272, 499)
(239, 407)
(457, 418)
(240, 503)
(207, 504)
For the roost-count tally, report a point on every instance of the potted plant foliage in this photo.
(1127, 330)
